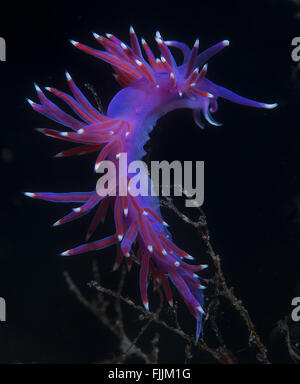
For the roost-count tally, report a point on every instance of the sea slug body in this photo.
(151, 88)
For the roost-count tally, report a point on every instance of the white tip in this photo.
(226, 43)
(74, 42)
(157, 85)
(80, 131)
(171, 303)
(150, 248)
(48, 89)
(108, 35)
(202, 286)
(158, 34)
(131, 30)
(145, 213)
(64, 133)
(96, 36)
(139, 63)
(120, 237)
(37, 88)
(196, 45)
(124, 46)
(172, 76)
(189, 257)
(164, 252)
(210, 95)
(163, 59)
(177, 264)
(200, 309)
(146, 305)
(29, 194)
(66, 253)
(78, 209)
(68, 76)
(204, 266)
(117, 155)
(126, 211)
(56, 223)
(270, 106)
(32, 103)
(143, 41)
(127, 133)
(165, 224)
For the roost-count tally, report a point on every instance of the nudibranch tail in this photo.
(151, 87)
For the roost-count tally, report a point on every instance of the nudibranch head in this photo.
(180, 86)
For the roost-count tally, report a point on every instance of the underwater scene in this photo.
(150, 185)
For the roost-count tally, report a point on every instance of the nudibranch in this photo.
(151, 87)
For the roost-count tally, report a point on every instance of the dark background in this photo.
(252, 196)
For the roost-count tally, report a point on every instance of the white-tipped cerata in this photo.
(96, 36)
(150, 248)
(32, 103)
(200, 309)
(66, 253)
(75, 43)
(68, 76)
(29, 194)
(226, 43)
(37, 88)
(270, 106)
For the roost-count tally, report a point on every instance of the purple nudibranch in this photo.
(151, 87)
